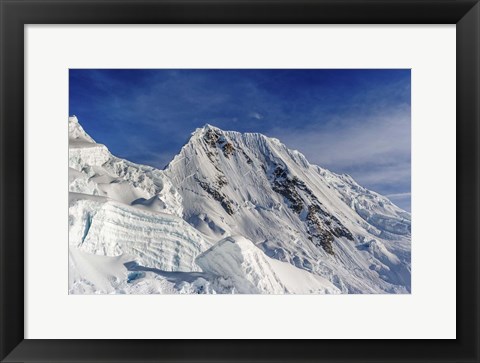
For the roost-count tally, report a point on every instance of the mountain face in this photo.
(231, 212)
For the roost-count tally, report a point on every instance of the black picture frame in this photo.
(15, 14)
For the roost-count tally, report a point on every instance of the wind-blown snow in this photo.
(231, 213)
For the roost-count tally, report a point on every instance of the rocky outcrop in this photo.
(322, 227)
(214, 139)
(248, 158)
(211, 137)
(213, 191)
(286, 186)
(228, 149)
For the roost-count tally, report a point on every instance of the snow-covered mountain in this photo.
(231, 212)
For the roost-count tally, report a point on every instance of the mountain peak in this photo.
(206, 128)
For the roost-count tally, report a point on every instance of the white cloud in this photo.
(256, 115)
(400, 195)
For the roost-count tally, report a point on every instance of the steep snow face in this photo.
(254, 186)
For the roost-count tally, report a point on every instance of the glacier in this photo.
(231, 213)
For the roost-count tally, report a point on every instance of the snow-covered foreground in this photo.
(232, 213)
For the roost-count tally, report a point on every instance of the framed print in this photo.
(239, 181)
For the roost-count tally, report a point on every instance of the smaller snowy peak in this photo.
(83, 150)
(76, 133)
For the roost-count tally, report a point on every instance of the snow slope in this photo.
(231, 213)
(249, 270)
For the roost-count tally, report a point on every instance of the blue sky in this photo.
(349, 121)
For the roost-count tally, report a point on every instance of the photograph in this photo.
(239, 181)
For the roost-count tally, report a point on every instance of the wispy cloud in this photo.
(256, 115)
(400, 195)
(403, 200)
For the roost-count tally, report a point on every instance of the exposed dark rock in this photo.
(227, 205)
(211, 156)
(343, 232)
(318, 233)
(322, 226)
(221, 180)
(228, 149)
(215, 139)
(211, 137)
(249, 160)
(286, 187)
(218, 196)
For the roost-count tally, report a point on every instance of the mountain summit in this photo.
(256, 214)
